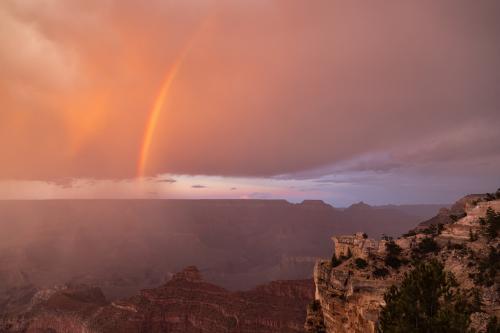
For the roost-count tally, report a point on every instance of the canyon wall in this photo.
(185, 304)
(349, 290)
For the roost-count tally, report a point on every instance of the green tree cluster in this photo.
(493, 325)
(360, 263)
(427, 245)
(491, 224)
(434, 229)
(393, 251)
(428, 301)
(488, 268)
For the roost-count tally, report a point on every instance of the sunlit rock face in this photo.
(186, 303)
(350, 296)
(358, 245)
(457, 210)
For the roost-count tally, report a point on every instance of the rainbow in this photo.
(154, 115)
(161, 98)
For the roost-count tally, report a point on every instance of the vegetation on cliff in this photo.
(439, 277)
(315, 322)
(490, 224)
(428, 300)
(392, 258)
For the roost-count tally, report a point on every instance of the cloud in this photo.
(268, 87)
(198, 186)
(64, 183)
(166, 180)
(260, 195)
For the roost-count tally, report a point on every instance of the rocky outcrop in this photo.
(358, 245)
(443, 217)
(349, 301)
(349, 290)
(456, 211)
(186, 303)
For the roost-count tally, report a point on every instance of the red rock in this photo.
(184, 304)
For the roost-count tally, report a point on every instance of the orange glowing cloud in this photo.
(275, 87)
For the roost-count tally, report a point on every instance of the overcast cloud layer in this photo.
(300, 89)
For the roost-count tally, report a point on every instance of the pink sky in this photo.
(253, 91)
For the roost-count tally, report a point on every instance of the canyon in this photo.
(350, 288)
(184, 304)
(345, 294)
(123, 246)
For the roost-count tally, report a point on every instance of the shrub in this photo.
(458, 217)
(426, 301)
(315, 305)
(386, 238)
(410, 233)
(360, 263)
(315, 325)
(392, 248)
(431, 230)
(392, 257)
(335, 261)
(463, 250)
(455, 246)
(491, 224)
(490, 196)
(393, 262)
(434, 229)
(472, 236)
(427, 245)
(380, 272)
(488, 268)
(493, 325)
(476, 300)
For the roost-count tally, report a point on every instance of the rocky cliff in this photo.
(350, 288)
(186, 303)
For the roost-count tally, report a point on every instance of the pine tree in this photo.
(492, 223)
(427, 301)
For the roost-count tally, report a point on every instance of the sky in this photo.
(382, 101)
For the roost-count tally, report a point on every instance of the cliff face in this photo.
(349, 290)
(349, 302)
(457, 210)
(185, 304)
